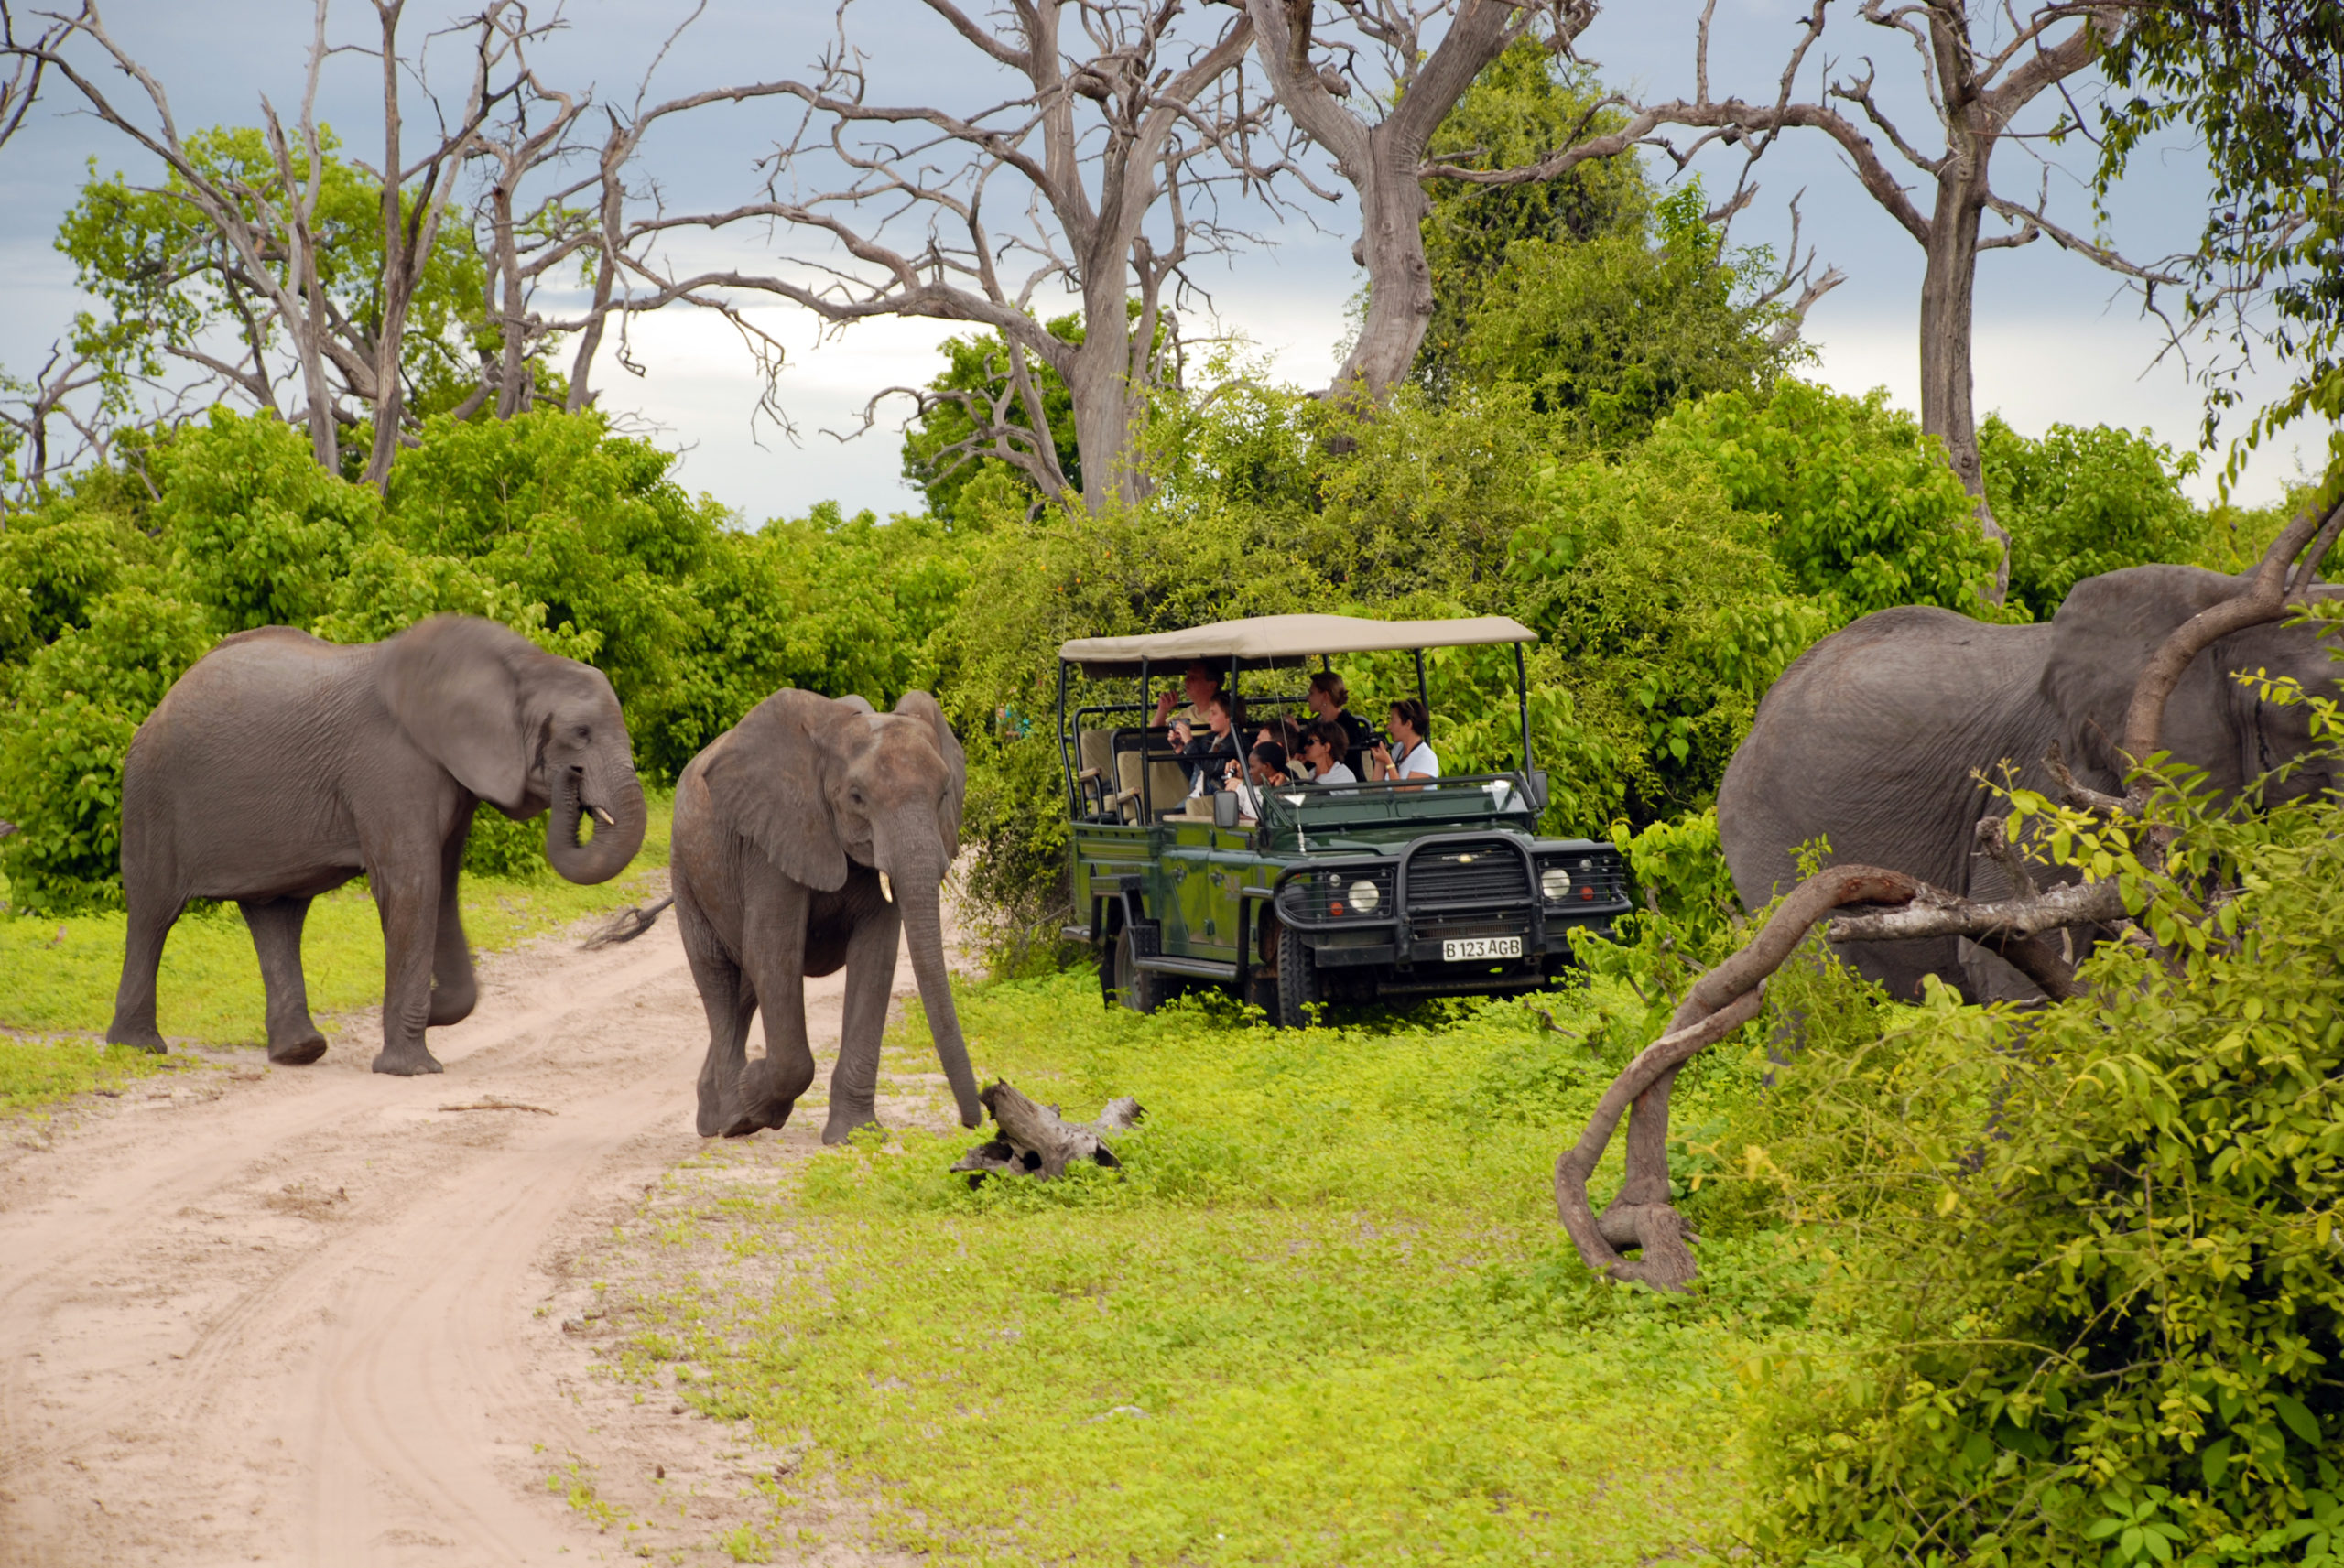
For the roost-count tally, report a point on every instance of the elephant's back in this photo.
(255, 689)
(1868, 742)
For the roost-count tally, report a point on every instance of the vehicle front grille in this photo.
(1478, 874)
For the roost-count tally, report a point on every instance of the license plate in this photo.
(1464, 949)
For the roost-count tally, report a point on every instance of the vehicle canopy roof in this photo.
(1266, 642)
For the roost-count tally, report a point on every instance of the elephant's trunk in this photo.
(920, 894)
(615, 796)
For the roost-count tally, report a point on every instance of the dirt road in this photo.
(312, 1315)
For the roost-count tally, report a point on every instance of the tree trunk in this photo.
(1106, 412)
(1392, 248)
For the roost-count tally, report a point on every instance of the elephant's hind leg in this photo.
(729, 1002)
(454, 992)
(276, 925)
(151, 919)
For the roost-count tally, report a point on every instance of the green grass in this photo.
(59, 976)
(1330, 1276)
(38, 1073)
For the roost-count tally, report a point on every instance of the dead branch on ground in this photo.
(1035, 1141)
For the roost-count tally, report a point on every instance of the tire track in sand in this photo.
(294, 1322)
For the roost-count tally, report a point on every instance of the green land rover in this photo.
(1335, 893)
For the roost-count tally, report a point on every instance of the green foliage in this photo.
(258, 532)
(1866, 513)
(75, 705)
(1525, 104)
(163, 275)
(2088, 1253)
(1252, 1344)
(2079, 503)
(1612, 332)
(938, 457)
(1664, 616)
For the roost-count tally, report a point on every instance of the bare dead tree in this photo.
(29, 409)
(1867, 904)
(21, 84)
(1098, 172)
(267, 257)
(1379, 147)
(1980, 67)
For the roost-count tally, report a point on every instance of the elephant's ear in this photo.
(452, 684)
(767, 781)
(2104, 633)
(919, 705)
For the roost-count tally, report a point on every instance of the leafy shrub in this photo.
(1866, 514)
(2079, 503)
(258, 534)
(77, 704)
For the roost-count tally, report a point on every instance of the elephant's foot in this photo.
(845, 1121)
(406, 1062)
(451, 1004)
(141, 1036)
(296, 1050)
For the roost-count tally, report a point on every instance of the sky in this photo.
(2059, 340)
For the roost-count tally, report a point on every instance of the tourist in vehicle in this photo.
(1198, 685)
(1409, 755)
(1218, 738)
(1265, 768)
(1282, 732)
(1327, 697)
(1325, 748)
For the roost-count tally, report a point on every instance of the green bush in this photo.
(76, 704)
(258, 534)
(2079, 503)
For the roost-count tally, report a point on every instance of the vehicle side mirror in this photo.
(1224, 809)
(1537, 779)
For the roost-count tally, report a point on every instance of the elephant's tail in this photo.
(626, 926)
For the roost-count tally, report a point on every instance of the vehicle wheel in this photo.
(1123, 980)
(1299, 987)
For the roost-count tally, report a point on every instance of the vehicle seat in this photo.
(1166, 783)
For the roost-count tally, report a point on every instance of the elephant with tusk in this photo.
(812, 836)
(279, 766)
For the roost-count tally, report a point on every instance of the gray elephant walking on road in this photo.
(279, 766)
(811, 836)
(1869, 741)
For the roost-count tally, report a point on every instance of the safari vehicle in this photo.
(1343, 893)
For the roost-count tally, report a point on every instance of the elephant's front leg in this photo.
(870, 981)
(775, 943)
(453, 990)
(407, 896)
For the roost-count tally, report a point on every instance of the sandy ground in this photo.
(313, 1315)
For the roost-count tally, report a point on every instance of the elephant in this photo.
(809, 837)
(279, 766)
(1869, 741)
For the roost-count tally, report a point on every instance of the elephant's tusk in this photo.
(886, 888)
(605, 817)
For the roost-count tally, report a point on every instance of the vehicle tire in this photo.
(1299, 987)
(1125, 981)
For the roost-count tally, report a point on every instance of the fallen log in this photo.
(1035, 1141)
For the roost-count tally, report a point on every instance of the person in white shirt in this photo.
(1324, 746)
(1409, 755)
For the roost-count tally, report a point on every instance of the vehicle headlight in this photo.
(1364, 896)
(1555, 882)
